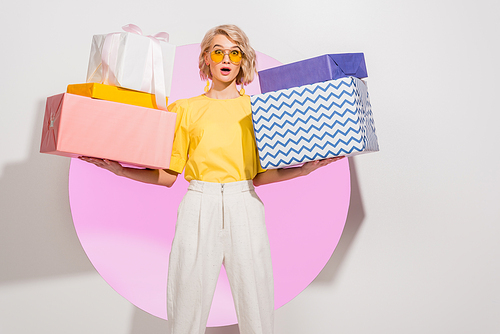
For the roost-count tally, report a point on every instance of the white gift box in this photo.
(131, 60)
(313, 122)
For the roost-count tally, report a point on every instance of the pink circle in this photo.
(126, 227)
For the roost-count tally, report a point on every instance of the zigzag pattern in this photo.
(302, 100)
(320, 138)
(299, 91)
(292, 122)
(323, 127)
(318, 146)
(313, 122)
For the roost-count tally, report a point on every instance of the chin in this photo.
(225, 79)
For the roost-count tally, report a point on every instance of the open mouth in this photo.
(225, 70)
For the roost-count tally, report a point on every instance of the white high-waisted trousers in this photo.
(220, 224)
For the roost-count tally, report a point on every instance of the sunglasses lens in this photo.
(218, 55)
(235, 56)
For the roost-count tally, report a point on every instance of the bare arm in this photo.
(283, 174)
(162, 177)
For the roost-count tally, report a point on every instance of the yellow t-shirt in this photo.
(214, 140)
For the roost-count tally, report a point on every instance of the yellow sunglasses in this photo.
(235, 56)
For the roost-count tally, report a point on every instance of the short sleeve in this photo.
(259, 168)
(180, 146)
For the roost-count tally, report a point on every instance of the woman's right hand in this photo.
(112, 166)
(163, 177)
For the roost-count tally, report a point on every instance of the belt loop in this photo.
(250, 185)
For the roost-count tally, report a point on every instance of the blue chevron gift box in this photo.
(313, 122)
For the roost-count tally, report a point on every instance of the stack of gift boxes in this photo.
(313, 109)
(309, 110)
(120, 113)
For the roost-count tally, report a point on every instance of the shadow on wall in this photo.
(37, 236)
(355, 217)
(145, 323)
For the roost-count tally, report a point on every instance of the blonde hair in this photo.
(235, 34)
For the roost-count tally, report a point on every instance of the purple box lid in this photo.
(309, 71)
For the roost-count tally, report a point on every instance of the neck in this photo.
(223, 90)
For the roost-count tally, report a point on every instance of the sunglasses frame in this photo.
(226, 52)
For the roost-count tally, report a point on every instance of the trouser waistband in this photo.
(217, 188)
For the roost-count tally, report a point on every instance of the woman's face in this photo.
(225, 70)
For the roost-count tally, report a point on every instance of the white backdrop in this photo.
(420, 250)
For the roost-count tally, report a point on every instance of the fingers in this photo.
(110, 165)
(330, 160)
(94, 161)
(313, 165)
(87, 159)
(103, 163)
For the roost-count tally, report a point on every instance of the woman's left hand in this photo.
(311, 166)
(283, 174)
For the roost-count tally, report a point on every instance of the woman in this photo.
(220, 219)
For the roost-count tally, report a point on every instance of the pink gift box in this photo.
(81, 126)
